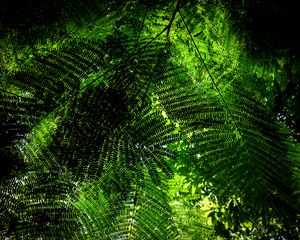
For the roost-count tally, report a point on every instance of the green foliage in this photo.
(189, 210)
(142, 121)
(143, 213)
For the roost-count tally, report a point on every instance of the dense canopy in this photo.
(149, 120)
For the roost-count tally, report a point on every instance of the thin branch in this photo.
(2, 90)
(172, 18)
(141, 28)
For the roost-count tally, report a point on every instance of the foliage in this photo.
(142, 120)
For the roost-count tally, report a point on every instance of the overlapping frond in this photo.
(143, 213)
(34, 206)
(99, 119)
(250, 156)
(98, 123)
(241, 148)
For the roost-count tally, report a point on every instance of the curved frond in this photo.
(35, 206)
(143, 214)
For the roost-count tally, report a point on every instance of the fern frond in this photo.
(126, 97)
(251, 161)
(34, 206)
(244, 146)
(143, 214)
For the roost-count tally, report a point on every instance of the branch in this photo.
(2, 90)
(168, 27)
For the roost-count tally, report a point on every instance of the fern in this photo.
(34, 206)
(94, 124)
(142, 214)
